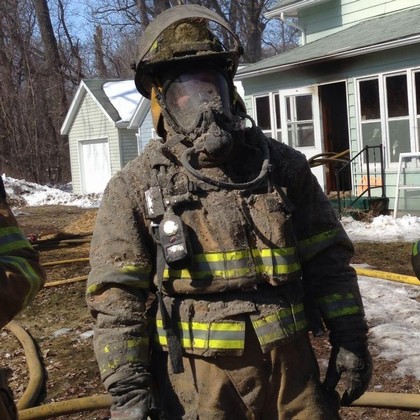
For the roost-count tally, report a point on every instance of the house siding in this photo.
(146, 131)
(91, 123)
(330, 17)
(128, 146)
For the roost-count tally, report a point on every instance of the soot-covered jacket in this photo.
(254, 254)
(21, 274)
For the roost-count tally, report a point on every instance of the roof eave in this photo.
(65, 127)
(291, 10)
(340, 55)
(140, 114)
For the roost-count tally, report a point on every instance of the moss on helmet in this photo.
(184, 39)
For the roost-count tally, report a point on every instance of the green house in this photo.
(353, 82)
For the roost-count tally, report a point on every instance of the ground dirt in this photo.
(60, 323)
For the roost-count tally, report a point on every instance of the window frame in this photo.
(275, 132)
(384, 119)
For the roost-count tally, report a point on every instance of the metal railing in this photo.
(366, 168)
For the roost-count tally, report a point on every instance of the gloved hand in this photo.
(349, 355)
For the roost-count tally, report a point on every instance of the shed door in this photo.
(94, 165)
(300, 114)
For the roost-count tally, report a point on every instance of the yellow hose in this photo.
(388, 276)
(388, 400)
(65, 281)
(47, 411)
(31, 393)
(96, 402)
(52, 263)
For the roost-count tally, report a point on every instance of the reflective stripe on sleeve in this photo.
(12, 239)
(216, 336)
(279, 325)
(113, 355)
(339, 304)
(315, 244)
(129, 275)
(22, 265)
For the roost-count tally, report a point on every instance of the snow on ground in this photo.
(40, 195)
(392, 309)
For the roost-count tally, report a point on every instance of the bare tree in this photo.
(245, 17)
(99, 54)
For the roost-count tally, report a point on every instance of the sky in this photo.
(392, 308)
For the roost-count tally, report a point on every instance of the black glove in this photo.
(132, 400)
(349, 355)
(2, 190)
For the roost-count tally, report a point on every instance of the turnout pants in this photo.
(282, 384)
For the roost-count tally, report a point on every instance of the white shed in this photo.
(108, 124)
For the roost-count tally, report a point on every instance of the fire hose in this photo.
(103, 401)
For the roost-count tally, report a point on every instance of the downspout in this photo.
(295, 25)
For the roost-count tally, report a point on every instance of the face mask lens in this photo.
(190, 94)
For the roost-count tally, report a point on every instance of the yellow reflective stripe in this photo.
(339, 304)
(129, 275)
(199, 275)
(240, 263)
(222, 256)
(279, 325)
(136, 269)
(22, 265)
(12, 238)
(415, 248)
(317, 243)
(133, 350)
(201, 335)
(276, 260)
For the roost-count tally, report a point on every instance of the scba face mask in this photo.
(197, 105)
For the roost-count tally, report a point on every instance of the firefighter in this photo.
(21, 277)
(215, 251)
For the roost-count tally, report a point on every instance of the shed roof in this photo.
(118, 99)
(382, 33)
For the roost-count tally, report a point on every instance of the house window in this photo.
(300, 122)
(398, 117)
(370, 113)
(389, 108)
(267, 114)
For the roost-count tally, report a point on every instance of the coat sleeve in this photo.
(21, 274)
(325, 251)
(118, 285)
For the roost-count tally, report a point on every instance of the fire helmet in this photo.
(181, 38)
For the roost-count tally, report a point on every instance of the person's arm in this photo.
(331, 283)
(117, 294)
(21, 274)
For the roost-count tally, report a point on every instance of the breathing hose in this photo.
(265, 168)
